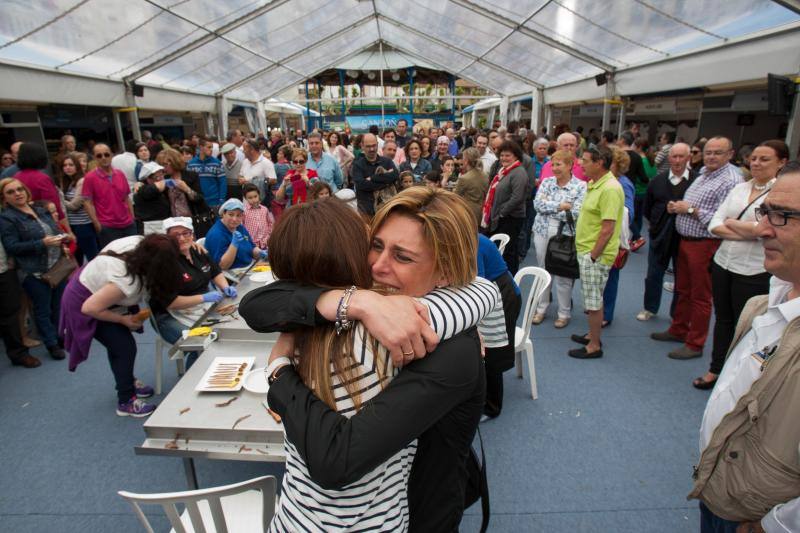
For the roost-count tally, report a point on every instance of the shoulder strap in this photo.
(751, 203)
(484, 486)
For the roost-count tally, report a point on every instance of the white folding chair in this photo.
(522, 336)
(501, 239)
(242, 507)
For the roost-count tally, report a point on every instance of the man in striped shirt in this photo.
(697, 248)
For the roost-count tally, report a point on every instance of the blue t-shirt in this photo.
(491, 264)
(630, 191)
(219, 239)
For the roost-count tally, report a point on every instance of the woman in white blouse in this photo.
(342, 155)
(737, 272)
(555, 197)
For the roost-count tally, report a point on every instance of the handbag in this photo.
(561, 258)
(61, 270)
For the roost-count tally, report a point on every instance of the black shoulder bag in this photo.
(561, 258)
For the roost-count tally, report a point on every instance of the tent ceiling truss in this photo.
(496, 68)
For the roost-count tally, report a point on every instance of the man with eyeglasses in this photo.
(697, 247)
(747, 476)
(107, 198)
(326, 166)
(371, 172)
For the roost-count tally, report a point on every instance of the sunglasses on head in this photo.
(102, 155)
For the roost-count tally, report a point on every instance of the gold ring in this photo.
(408, 353)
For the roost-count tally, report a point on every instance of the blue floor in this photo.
(608, 446)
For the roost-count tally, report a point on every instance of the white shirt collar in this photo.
(684, 176)
(778, 290)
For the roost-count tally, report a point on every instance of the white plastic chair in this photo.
(522, 336)
(242, 507)
(501, 239)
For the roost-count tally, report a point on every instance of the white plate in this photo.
(205, 386)
(256, 381)
(261, 277)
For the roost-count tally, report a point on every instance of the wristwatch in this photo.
(690, 211)
(276, 368)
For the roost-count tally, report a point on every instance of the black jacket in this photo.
(366, 181)
(151, 204)
(659, 193)
(437, 400)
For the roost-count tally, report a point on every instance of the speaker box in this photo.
(138, 90)
(600, 79)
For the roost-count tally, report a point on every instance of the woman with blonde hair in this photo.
(420, 240)
(558, 199)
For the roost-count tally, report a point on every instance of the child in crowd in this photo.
(319, 190)
(257, 218)
(432, 179)
(406, 179)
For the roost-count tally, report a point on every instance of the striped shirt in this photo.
(76, 217)
(379, 500)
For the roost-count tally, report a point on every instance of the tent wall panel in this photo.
(42, 86)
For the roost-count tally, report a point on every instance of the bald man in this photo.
(568, 142)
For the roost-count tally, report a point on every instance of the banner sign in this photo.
(361, 123)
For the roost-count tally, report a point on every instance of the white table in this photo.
(188, 424)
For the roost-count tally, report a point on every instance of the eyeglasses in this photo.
(102, 156)
(298, 161)
(776, 217)
(183, 234)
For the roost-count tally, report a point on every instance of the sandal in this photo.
(702, 384)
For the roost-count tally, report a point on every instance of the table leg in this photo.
(191, 474)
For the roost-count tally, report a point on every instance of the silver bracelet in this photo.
(342, 323)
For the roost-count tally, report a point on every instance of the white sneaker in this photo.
(645, 315)
(669, 286)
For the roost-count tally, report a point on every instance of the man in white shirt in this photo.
(487, 156)
(749, 470)
(259, 170)
(126, 162)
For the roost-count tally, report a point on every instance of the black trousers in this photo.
(9, 316)
(498, 360)
(511, 226)
(730, 292)
(111, 234)
(121, 346)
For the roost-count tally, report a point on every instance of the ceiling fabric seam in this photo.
(535, 35)
(109, 43)
(508, 35)
(499, 68)
(679, 21)
(354, 25)
(43, 26)
(615, 34)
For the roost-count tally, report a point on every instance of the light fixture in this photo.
(396, 76)
(352, 73)
(371, 75)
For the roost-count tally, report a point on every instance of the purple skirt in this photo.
(76, 328)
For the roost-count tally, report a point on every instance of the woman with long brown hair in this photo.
(344, 366)
(71, 184)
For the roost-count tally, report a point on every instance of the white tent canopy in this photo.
(88, 51)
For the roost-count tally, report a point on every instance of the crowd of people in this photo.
(91, 238)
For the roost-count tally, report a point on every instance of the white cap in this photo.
(231, 204)
(348, 196)
(149, 168)
(178, 222)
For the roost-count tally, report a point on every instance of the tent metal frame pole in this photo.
(621, 118)
(411, 72)
(194, 45)
(460, 51)
(544, 39)
(383, 91)
(342, 93)
(607, 101)
(118, 131)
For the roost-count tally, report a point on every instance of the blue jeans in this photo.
(171, 331)
(638, 216)
(610, 294)
(87, 242)
(46, 307)
(711, 523)
(525, 235)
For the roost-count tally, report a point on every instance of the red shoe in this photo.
(638, 243)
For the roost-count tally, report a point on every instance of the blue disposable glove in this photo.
(212, 297)
(263, 255)
(170, 182)
(238, 239)
(230, 292)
